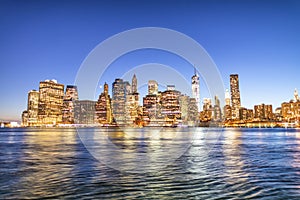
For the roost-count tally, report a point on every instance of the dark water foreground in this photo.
(219, 164)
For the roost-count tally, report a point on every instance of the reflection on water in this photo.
(171, 163)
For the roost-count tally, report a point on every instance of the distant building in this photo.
(196, 88)
(170, 107)
(103, 107)
(50, 106)
(152, 87)
(120, 89)
(132, 103)
(70, 96)
(207, 113)
(263, 112)
(33, 107)
(217, 115)
(235, 96)
(24, 118)
(84, 112)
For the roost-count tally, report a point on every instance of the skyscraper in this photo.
(170, 107)
(84, 112)
(132, 103)
(103, 107)
(70, 96)
(134, 84)
(51, 96)
(33, 107)
(196, 88)
(120, 89)
(152, 87)
(235, 95)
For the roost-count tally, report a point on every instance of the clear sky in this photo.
(41, 40)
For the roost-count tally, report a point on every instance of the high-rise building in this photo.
(120, 89)
(50, 106)
(33, 107)
(235, 95)
(24, 118)
(103, 107)
(206, 113)
(193, 114)
(132, 104)
(217, 110)
(134, 84)
(152, 87)
(84, 112)
(70, 96)
(263, 112)
(196, 88)
(170, 107)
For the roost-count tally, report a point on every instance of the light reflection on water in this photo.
(212, 164)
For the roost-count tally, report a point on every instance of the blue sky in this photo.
(41, 40)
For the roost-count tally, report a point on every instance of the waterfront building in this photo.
(84, 112)
(152, 87)
(24, 118)
(196, 88)
(33, 107)
(217, 115)
(207, 112)
(243, 113)
(120, 89)
(170, 107)
(50, 105)
(235, 96)
(227, 112)
(193, 114)
(71, 95)
(184, 101)
(263, 112)
(103, 107)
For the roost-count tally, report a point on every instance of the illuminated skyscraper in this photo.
(170, 107)
(132, 103)
(196, 88)
(152, 87)
(33, 107)
(51, 96)
(235, 95)
(70, 96)
(103, 107)
(120, 89)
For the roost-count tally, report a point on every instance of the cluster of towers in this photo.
(52, 105)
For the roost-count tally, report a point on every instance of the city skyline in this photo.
(52, 105)
(257, 40)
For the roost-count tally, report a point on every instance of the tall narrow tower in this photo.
(134, 84)
(235, 95)
(196, 88)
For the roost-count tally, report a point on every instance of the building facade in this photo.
(51, 96)
(70, 96)
(33, 107)
(196, 88)
(84, 112)
(235, 96)
(103, 107)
